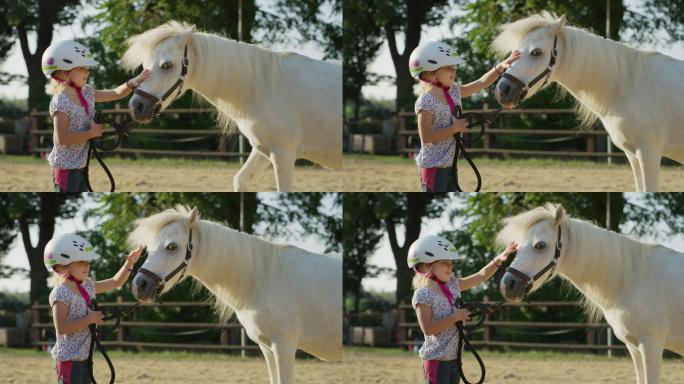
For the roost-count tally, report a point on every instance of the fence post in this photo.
(401, 318)
(33, 126)
(243, 343)
(486, 337)
(401, 128)
(35, 318)
(120, 334)
(486, 145)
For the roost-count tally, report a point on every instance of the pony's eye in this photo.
(536, 52)
(166, 66)
(540, 245)
(172, 247)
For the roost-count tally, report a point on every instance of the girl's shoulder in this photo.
(88, 91)
(455, 91)
(454, 284)
(425, 101)
(60, 293)
(59, 103)
(423, 295)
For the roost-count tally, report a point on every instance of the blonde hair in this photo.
(420, 279)
(55, 87)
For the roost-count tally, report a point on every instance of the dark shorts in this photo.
(437, 180)
(441, 372)
(69, 180)
(72, 372)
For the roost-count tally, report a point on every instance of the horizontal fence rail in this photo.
(40, 135)
(40, 328)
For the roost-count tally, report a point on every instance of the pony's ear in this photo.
(559, 215)
(561, 23)
(184, 38)
(193, 216)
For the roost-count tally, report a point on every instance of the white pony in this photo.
(637, 94)
(286, 298)
(287, 105)
(638, 287)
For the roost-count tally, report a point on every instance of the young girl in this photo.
(433, 63)
(72, 109)
(436, 289)
(69, 256)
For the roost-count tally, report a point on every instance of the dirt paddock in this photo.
(366, 366)
(360, 173)
(30, 367)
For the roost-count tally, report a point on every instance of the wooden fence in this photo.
(39, 330)
(407, 327)
(407, 134)
(41, 131)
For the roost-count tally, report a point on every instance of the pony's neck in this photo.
(222, 71)
(599, 262)
(215, 265)
(598, 72)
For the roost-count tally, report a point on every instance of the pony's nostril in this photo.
(142, 284)
(506, 89)
(511, 284)
(138, 107)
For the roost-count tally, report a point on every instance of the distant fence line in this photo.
(40, 133)
(405, 138)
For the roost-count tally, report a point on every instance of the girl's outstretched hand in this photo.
(132, 257)
(511, 248)
(136, 81)
(515, 55)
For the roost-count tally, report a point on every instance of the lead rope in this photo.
(95, 146)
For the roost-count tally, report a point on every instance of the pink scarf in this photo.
(79, 283)
(84, 102)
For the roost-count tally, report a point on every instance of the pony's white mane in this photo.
(246, 74)
(610, 69)
(232, 264)
(602, 263)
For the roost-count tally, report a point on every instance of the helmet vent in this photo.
(432, 61)
(67, 61)
(65, 255)
(429, 254)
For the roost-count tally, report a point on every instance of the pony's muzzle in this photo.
(512, 287)
(141, 109)
(144, 287)
(507, 93)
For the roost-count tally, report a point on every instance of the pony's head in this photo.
(534, 38)
(538, 234)
(169, 245)
(162, 50)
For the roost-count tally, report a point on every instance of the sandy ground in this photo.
(37, 368)
(371, 367)
(359, 174)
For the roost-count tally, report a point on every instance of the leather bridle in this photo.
(178, 84)
(546, 73)
(529, 281)
(181, 268)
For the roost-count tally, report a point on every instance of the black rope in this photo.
(109, 312)
(479, 311)
(474, 120)
(97, 145)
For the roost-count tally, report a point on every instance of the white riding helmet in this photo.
(66, 55)
(428, 249)
(66, 249)
(431, 55)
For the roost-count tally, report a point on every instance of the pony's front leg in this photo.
(285, 359)
(256, 162)
(651, 355)
(649, 160)
(636, 170)
(270, 363)
(637, 361)
(283, 160)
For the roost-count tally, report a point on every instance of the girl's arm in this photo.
(122, 90)
(432, 327)
(120, 278)
(488, 270)
(429, 135)
(490, 77)
(66, 137)
(60, 312)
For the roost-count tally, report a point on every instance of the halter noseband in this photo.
(181, 268)
(178, 84)
(529, 281)
(546, 73)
